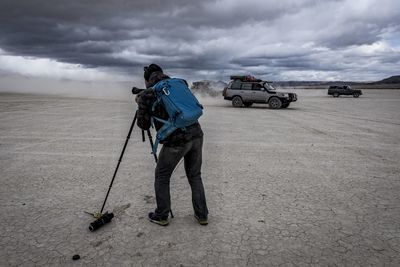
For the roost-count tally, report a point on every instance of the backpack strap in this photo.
(164, 131)
(152, 111)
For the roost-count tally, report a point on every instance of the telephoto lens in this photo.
(105, 218)
(136, 90)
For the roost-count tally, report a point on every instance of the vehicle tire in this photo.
(285, 105)
(336, 95)
(237, 102)
(275, 103)
(248, 104)
(355, 95)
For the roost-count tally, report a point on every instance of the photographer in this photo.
(182, 143)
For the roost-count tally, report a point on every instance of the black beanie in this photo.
(150, 69)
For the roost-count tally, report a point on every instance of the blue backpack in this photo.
(181, 105)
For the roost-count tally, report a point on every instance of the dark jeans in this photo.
(168, 159)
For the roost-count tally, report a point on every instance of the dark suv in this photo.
(246, 90)
(337, 90)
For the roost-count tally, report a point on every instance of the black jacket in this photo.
(179, 137)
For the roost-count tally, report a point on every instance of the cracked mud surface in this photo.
(316, 184)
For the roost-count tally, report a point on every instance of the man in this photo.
(182, 143)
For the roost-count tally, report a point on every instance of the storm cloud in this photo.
(285, 40)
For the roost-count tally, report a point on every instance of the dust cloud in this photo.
(85, 89)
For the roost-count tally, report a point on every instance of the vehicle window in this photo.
(269, 87)
(257, 86)
(236, 85)
(246, 86)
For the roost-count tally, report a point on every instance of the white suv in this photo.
(246, 90)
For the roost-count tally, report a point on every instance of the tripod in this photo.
(122, 154)
(99, 215)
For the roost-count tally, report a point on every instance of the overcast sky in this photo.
(276, 40)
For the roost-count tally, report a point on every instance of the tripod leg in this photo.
(151, 144)
(119, 161)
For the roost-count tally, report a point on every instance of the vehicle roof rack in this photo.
(245, 78)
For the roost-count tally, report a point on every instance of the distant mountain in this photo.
(390, 80)
(207, 87)
(311, 83)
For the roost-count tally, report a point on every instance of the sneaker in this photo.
(202, 221)
(158, 220)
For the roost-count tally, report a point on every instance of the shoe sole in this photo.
(200, 221)
(162, 223)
